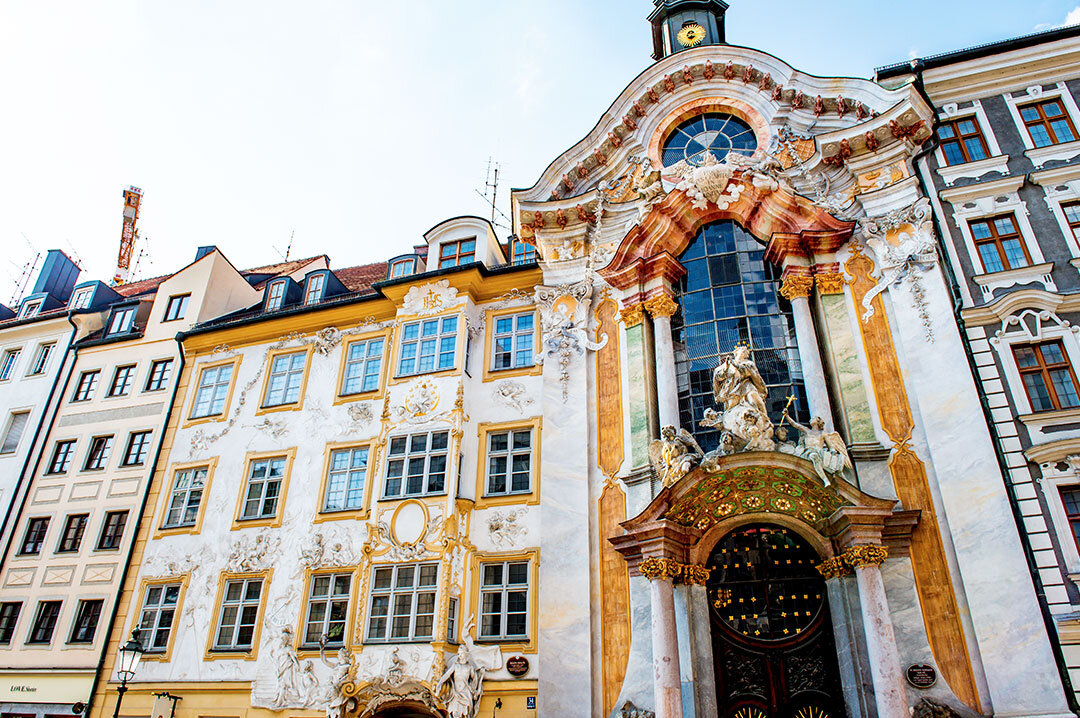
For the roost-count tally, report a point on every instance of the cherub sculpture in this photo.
(674, 454)
(824, 449)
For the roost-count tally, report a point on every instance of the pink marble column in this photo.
(884, 657)
(667, 683)
(662, 307)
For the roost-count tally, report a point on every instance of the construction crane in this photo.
(132, 200)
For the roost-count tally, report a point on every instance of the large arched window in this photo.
(715, 132)
(731, 294)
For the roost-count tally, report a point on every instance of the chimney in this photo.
(57, 276)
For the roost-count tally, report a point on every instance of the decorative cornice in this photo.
(830, 283)
(669, 569)
(661, 305)
(865, 555)
(796, 286)
(834, 568)
(633, 315)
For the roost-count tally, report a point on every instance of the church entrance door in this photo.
(772, 635)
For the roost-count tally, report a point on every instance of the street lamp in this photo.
(127, 662)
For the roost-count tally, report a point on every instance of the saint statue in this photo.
(824, 449)
(740, 390)
(464, 676)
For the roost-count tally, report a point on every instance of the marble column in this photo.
(796, 289)
(845, 634)
(890, 695)
(662, 307)
(667, 689)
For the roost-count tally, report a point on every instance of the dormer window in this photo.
(521, 252)
(315, 284)
(81, 298)
(402, 267)
(30, 309)
(121, 321)
(455, 254)
(176, 308)
(276, 296)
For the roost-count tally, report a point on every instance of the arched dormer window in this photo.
(730, 294)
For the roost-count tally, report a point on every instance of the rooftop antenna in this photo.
(144, 249)
(74, 255)
(288, 249)
(491, 184)
(27, 271)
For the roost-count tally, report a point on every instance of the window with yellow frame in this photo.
(326, 619)
(183, 497)
(238, 615)
(266, 484)
(212, 391)
(346, 481)
(157, 617)
(429, 346)
(504, 593)
(511, 343)
(508, 471)
(363, 367)
(285, 382)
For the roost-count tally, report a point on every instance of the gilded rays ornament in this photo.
(691, 35)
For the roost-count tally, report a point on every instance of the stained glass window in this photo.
(730, 294)
(713, 132)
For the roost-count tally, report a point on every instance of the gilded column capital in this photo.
(632, 316)
(661, 305)
(796, 286)
(865, 555)
(698, 575)
(833, 568)
(661, 568)
(830, 283)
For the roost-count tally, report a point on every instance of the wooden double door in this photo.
(772, 637)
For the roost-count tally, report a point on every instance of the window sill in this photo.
(294, 406)
(343, 515)
(372, 395)
(530, 499)
(1011, 277)
(1040, 421)
(221, 654)
(1065, 151)
(401, 378)
(269, 522)
(434, 494)
(496, 374)
(974, 170)
(192, 530)
(195, 420)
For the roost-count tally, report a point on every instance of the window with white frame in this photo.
(504, 600)
(7, 364)
(276, 296)
(263, 488)
(315, 284)
(84, 390)
(363, 363)
(345, 480)
(428, 345)
(512, 341)
(41, 359)
(509, 462)
(402, 604)
(122, 378)
(327, 610)
(97, 456)
(81, 298)
(239, 614)
(157, 615)
(286, 376)
(121, 321)
(138, 447)
(185, 497)
(30, 309)
(34, 537)
(1047, 375)
(63, 453)
(416, 464)
(160, 371)
(212, 392)
(451, 620)
(15, 428)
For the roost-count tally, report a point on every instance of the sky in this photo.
(352, 126)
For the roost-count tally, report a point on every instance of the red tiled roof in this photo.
(143, 286)
(285, 267)
(361, 277)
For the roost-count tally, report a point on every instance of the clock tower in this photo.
(683, 24)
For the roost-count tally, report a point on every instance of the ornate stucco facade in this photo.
(700, 438)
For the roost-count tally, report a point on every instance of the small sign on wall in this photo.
(530, 702)
(921, 675)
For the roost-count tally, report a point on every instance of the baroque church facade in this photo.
(702, 438)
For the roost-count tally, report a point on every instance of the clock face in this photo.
(691, 34)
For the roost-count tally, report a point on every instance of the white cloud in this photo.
(1073, 17)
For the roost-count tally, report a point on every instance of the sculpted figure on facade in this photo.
(824, 449)
(674, 454)
(740, 390)
(708, 182)
(649, 187)
(464, 676)
(295, 679)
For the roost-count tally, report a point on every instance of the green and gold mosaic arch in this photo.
(755, 489)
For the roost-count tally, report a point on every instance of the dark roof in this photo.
(39, 317)
(984, 50)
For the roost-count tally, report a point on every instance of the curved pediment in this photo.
(753, 482)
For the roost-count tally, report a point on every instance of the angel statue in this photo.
(740, 390)
(674, 454)
(824, 449)
(464, 676)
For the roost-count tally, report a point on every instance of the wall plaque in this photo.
(921, 675)
(517, 665)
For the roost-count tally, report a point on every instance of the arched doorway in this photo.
(772, 635)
